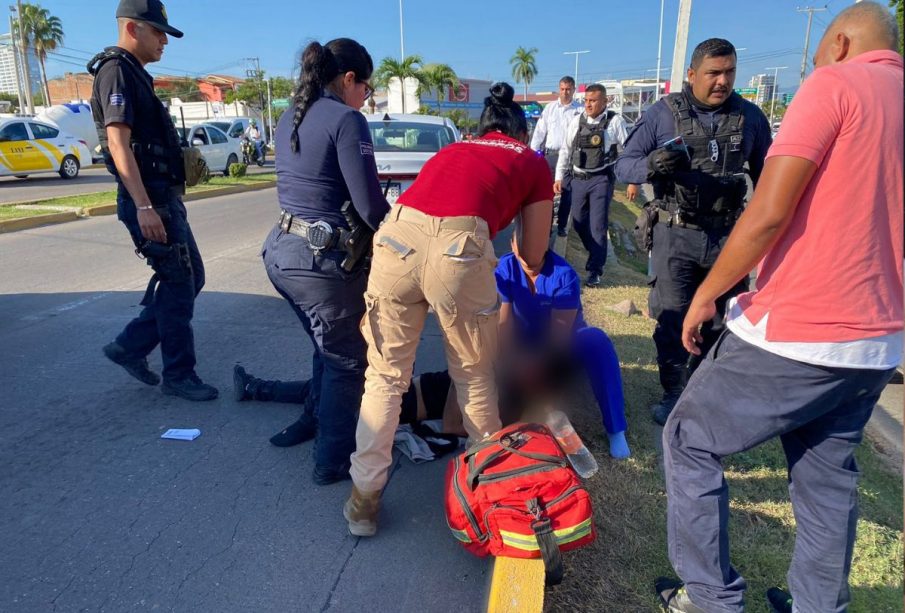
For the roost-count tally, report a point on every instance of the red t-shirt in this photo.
(491, 177)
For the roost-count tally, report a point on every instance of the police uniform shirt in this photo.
(616, 132)
(552, 125)
(334, 164)
(657, 126)
(117, 97)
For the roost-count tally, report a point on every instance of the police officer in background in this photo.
(547, 138)
(324, 161)
(143, 151)
(586, 159)
(699, 186)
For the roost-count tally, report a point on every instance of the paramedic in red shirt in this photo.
(434, 250)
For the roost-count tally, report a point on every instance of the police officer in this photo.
(586, 161)
(700, 188)
(547, 138)
(142, 150)
(324, 159)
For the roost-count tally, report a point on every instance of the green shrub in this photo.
(237, 170)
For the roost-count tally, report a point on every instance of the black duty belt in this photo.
(584, 176)
(710, 222)
(320, 235)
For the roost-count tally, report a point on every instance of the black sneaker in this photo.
(660, 411)
(593, 280)
(135, 366)
(297, 433)
(673, 597)
(190, 388)
(325, 475)
(780, 600)
(241, 379)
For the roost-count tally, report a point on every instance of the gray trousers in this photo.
(739, 397)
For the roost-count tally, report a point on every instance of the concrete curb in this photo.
(27, 223)
(516, 586)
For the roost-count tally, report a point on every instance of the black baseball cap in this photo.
(151, 11)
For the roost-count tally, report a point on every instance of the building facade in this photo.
(8, 79)
(765, 84)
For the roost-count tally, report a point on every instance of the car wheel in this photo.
(21, 176)
(232, 159)
(69, 169)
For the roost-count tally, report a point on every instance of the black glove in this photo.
(665, 163)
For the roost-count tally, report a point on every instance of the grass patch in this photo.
(616, 572)
(8, 212)
(80, 201)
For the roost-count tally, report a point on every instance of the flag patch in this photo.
(117, 100)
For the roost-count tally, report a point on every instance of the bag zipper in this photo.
(465, 507)
(525, 470)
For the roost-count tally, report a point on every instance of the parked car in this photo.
(403, 143)
(234, 127)
(30, 147)
(218, 150)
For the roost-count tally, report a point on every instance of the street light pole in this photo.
(25, 72)
(659, 55)
(576, 54)
(677, 76)
(775, 70)
(14, 49)
(401, 35)
(807, 39)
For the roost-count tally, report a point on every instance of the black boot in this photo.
(673, 379)
(299, 432)
(249, 387)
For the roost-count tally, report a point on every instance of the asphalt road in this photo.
(98, 513)
(93, 179)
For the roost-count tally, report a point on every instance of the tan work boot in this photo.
(361, 511)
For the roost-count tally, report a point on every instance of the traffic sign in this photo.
(741, 91)
(280, 103)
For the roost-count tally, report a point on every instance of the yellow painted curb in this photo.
(27, 223)
(99, 209)
(516, 586)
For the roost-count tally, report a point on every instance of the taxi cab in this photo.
(30, 147)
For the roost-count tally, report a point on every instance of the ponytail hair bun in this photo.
(501, 113)
(501, 94)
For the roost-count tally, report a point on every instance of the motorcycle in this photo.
(250, 152)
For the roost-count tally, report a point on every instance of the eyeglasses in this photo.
(369, 91)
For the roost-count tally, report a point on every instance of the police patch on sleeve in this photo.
(366, 148)
(117, 100)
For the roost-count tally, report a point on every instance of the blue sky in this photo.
(475, 37)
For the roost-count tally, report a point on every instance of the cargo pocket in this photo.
(484, 330)
(370, 325)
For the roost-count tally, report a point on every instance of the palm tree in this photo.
(440, 78)
(390, 69)
(43, 32)
(523, 67)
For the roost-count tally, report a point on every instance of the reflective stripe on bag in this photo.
(528, 542)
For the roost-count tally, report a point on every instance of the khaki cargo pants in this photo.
(420, 261)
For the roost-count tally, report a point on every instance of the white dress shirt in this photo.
(616, 132)
(552, 125)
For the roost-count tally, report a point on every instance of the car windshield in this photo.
(223, 125)
(410, 136)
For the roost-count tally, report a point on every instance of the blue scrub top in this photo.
(557, 287)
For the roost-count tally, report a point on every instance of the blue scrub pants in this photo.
(595, 352)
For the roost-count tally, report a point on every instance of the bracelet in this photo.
(145, 208)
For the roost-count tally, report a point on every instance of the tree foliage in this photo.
(43, 33)
(524, 66)
(899, 5)
(390, 68)
(440, 78)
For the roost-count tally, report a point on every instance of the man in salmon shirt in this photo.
(807, 353)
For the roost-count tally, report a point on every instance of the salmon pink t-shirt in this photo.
(491, 177)
(835, 275)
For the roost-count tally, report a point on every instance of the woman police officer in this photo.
(434, 250)
(324, 158)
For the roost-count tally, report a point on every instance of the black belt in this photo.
(584, 176)
(712, 222)
(319, 234)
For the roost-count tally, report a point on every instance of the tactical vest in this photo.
(588, 151)
(160, 159)
(715, 185)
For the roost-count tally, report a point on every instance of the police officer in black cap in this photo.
(143, 151)
(692, 147)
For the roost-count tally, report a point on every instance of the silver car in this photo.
(403, 143)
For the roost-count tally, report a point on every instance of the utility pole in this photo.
(807, 38)
(14, 48)
(270, 110)
(677, 77)
(659, 55)
(401, 37)
(258, 76)
(576, 54)
(25, 72)
(775, 70)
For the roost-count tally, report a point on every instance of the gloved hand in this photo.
(665, 163)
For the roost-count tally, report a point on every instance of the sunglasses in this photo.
(369, 91)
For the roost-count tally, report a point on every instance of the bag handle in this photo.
(546, 542)
(475, 472)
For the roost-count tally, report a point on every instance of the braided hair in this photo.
(501, 112)
(321, 64)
